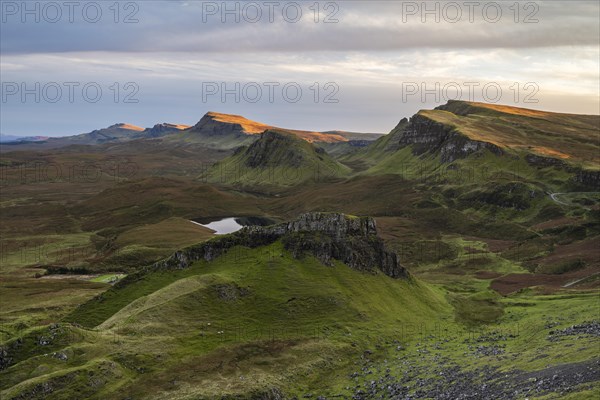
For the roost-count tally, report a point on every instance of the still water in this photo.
(231, 224)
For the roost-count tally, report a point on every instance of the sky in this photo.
(72, 67)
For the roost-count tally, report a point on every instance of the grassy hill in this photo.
(262, 323)
(474, 143)
(251, 306)
(277, 159)
(570, 137)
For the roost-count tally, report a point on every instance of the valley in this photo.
(457, 256)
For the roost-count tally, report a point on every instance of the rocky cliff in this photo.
(277, 158)
(458, 130)
(428, 136)
(278, 149)
(326, 236)
(584, 179)
(588, 179)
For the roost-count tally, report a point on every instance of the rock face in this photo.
(584, 179)
(352, 240)
(334, 224)
(588, 179)
(428, 136)
(543, 162)
(275, 148)
(438, 133)
(277, 158)
(326, 236)
(514, 195)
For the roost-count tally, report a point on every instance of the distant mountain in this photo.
(114, 133)
(14, 139)
(160, 130)
(123, 132)
(117, 133)
(355, 135)
(214, 130)
(220, 131)
(228, 131)
(277, 158)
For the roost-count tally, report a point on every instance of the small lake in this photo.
(227, 225)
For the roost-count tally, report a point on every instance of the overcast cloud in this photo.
(541, 54)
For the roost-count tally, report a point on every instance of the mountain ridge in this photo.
(222, 130)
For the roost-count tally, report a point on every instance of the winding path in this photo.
(554, 197)
(579, 280)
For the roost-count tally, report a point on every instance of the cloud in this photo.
(370, 53)
(362, 26)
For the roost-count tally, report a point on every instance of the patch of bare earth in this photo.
(513, 282)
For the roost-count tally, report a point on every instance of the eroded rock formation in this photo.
(326, 236)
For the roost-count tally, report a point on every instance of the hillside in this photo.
(254, 296)
(570, 137)
(290, 311)
(560, 152)
(277, 158)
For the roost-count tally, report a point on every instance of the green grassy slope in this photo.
(257, 320)
(277, 159)
(572, 137)
(564, 143)
(308, 315)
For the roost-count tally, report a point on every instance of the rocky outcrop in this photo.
(277, 158)
(352, 240)
(583, 178)
(275, 148)
(326, 236)
(428, 136)
(588, 179)
(543, 162)
(5, 358)
(513, 195)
